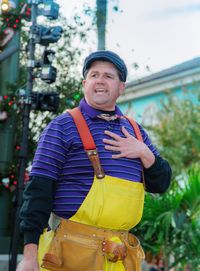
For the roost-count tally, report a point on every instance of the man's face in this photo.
(102, 86)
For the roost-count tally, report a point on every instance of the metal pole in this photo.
(24, 144)
(101, 15)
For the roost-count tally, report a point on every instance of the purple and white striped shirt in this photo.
(60, 155)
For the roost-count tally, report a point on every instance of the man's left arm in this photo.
(157, 171)
(157, 177)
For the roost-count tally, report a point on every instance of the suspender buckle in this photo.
(94, 159)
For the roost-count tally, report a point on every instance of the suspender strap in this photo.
(87, 141)
(136, 128)
(140, 138)
(83, 130)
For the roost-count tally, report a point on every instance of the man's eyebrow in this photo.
(92, 71)
(107, 73)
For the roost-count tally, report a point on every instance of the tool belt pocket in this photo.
(135, 253)
(72, 253)
(81, 254)
(52, 258)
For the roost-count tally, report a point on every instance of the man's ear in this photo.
(83, 82)
(122, 87)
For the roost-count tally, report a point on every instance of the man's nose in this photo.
(100, 79)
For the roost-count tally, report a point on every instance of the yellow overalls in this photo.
(112, 205)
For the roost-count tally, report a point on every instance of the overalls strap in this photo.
(140, 138)
(136, 128)
(88, 141)
(83, 129)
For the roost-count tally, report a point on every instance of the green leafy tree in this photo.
(177, 131)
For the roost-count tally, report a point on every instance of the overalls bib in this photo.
(112, 205)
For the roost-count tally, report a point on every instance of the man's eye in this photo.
(94, 75)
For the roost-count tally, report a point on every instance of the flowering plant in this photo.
(12, 20)
(8, 105)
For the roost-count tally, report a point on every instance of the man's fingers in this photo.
(114, 156)
(114, 136)
(125, 132)
(111, 142)
(111, 148)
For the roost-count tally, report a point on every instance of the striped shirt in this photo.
(60, 155)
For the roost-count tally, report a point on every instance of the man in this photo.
(91, 179)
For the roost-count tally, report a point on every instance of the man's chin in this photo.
(103, 106)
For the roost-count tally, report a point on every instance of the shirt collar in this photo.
(92, 112)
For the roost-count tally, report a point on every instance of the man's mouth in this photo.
(100, 90)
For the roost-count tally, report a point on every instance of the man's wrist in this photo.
(31, 250)
(147, 157)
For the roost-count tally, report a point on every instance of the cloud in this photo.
(175, 11)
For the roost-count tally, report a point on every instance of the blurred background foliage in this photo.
(170, 225)
(177, 132)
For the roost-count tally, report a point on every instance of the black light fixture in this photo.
(50, 10)
(48, 72)
(45, 101)
(46, 35)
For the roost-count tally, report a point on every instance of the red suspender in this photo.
(88, 141)
(136, 128)
(83, 129)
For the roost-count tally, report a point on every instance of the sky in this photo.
(154, 34)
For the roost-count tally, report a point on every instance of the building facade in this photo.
(143, 97)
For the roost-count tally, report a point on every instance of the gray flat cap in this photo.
(109, 56)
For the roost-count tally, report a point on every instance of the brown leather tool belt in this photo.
(82, 247)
